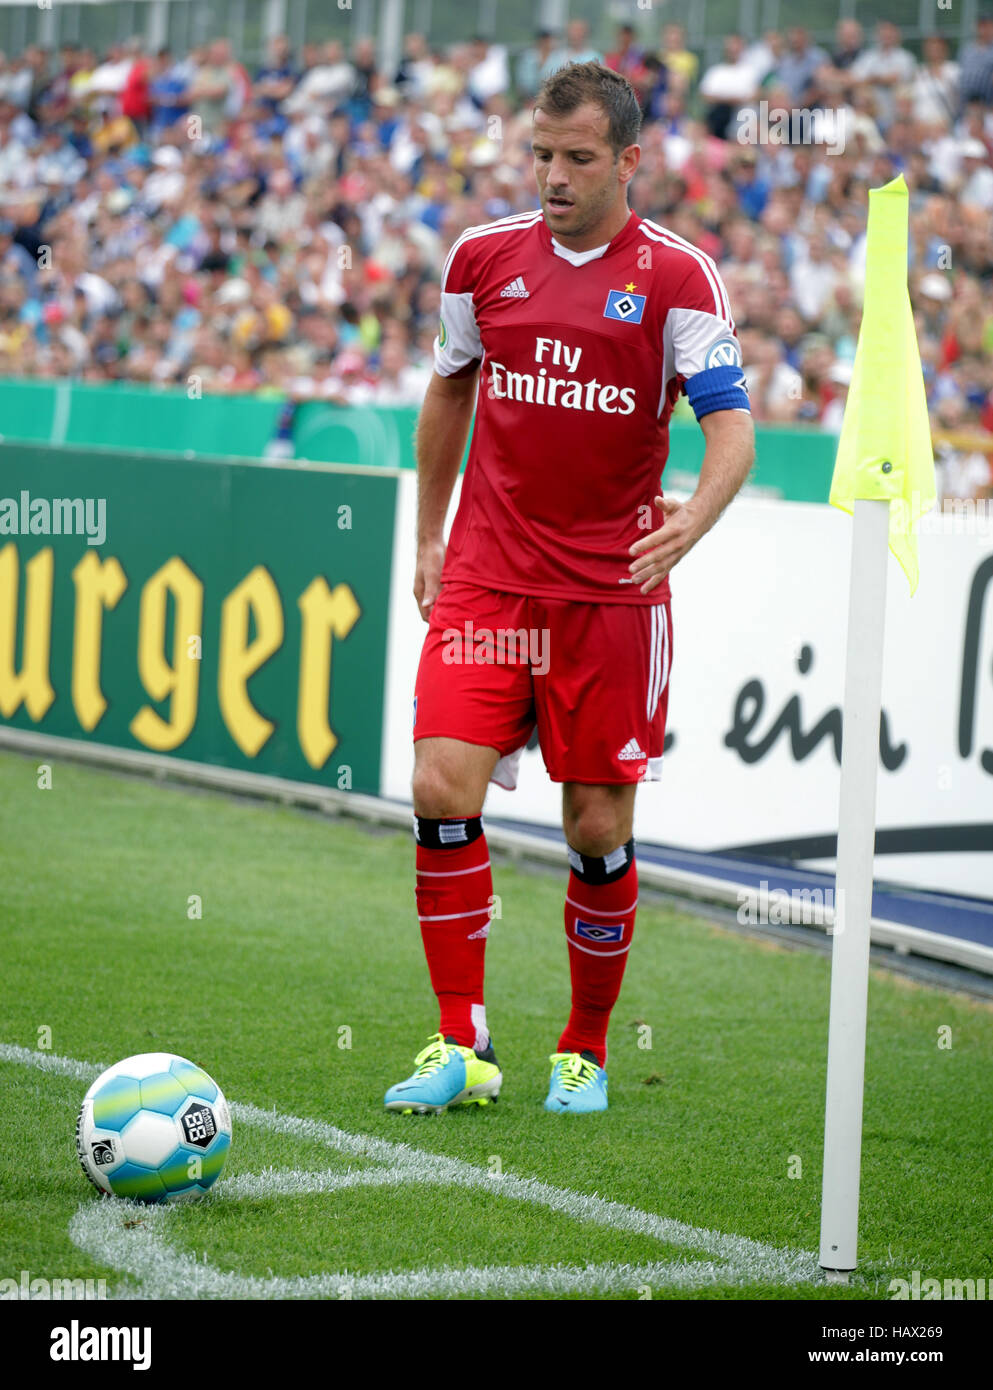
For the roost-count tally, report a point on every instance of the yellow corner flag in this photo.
(884, 452)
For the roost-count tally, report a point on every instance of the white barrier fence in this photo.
(759, 611)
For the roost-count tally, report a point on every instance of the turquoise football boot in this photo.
(578, 1085)
(446, 1074)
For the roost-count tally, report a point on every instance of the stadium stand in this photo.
(281, 229)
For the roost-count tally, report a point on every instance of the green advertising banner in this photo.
(792, 464)
(226, 613)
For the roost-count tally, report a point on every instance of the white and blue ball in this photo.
(155, 1128)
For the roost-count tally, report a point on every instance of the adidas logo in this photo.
(631, 752)
(515, 290)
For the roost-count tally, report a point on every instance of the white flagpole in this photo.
(853, 882)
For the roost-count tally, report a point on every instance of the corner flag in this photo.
(884, 476)
(885, 447)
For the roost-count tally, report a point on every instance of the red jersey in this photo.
(134, 97)
(582, 356)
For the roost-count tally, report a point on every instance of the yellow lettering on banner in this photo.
(31, 686)
(256, 596)
(326, 614)
(180, 681)
(99, 585)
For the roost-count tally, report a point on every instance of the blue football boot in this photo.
(578, 1085)
(446, 1074)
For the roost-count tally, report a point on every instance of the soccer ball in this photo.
(155, 1128)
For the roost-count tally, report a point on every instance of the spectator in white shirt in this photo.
(885, 66)
(977, 176)
(107, 81)
(489, 75)
(935, 88)
(19, 80)
(961, 474)
(414, 73)
(813, 279)
(324, 87)
(727, 86)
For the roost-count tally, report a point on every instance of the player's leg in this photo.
(597, 819)
(491, 707)
(454, 896)
(602, 723)
(454, 882)
(600, 905)
(451, 777)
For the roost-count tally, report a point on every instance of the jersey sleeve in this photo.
(458, 349)
(702, 345)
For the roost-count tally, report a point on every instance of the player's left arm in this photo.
(702, 352)
(727, 461)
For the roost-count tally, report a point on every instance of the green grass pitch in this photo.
(308, 941)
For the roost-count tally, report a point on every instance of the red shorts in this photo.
(593, 677)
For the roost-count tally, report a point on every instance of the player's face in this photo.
(581, 183)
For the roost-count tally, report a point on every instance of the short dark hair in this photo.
(572, 86)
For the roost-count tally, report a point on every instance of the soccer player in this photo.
(573, 329)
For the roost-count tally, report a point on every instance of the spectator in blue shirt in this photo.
(976, 64)
(576, 49)
(749, 185)
(277, 78)
(796, 69)
(167, 92)
(531, 63)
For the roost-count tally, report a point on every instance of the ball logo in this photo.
(103, 1153)
(198, 1125)
(726, 353)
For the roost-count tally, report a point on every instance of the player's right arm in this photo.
(443, 424)
(442, 430)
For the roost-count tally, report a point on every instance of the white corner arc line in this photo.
(97, 1227)
(164, 1272)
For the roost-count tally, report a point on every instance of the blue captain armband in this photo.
(717, 388)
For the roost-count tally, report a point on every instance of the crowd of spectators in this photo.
(171, 218)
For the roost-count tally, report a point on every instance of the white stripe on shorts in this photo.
(652, 660)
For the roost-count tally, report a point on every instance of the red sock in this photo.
(454, 898)
(599, 923)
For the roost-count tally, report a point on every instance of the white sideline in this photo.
(142, 1252)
